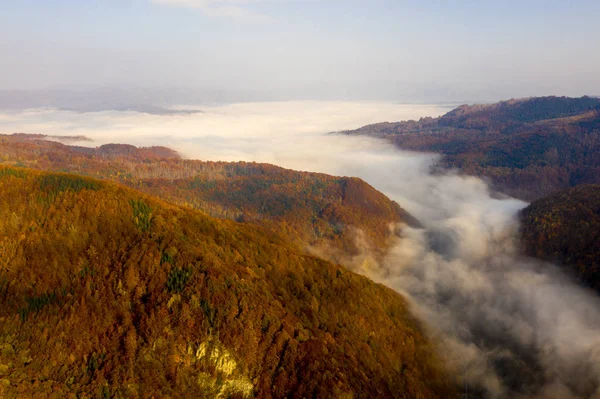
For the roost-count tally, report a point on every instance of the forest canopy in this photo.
(527, 148)
(565, 228)
(105, 291)
(336, 217)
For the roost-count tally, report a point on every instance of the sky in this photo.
(400, 50)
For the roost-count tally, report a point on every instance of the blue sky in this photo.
(359, 49)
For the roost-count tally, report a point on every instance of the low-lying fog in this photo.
(509, 326)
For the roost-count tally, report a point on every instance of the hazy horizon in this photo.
(267, 50)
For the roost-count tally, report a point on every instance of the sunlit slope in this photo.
(107, 291)
(565, 227)
(337, 216)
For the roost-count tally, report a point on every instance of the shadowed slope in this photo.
(565, 227)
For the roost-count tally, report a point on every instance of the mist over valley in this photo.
(506, 325)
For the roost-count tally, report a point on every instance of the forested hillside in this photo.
(108, 292)
(335, 216)
(527, 148)
(565, 227)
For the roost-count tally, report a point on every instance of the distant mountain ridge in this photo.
(525, 110)
(527, 148)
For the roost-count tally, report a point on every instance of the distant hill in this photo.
(527, 148)
(108, 292)
(565, 228)
(337, 217)
(526, 110)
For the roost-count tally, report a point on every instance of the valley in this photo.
(458, 254)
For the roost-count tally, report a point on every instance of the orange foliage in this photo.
(527, 148)
(107, 292)
(310, 209)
